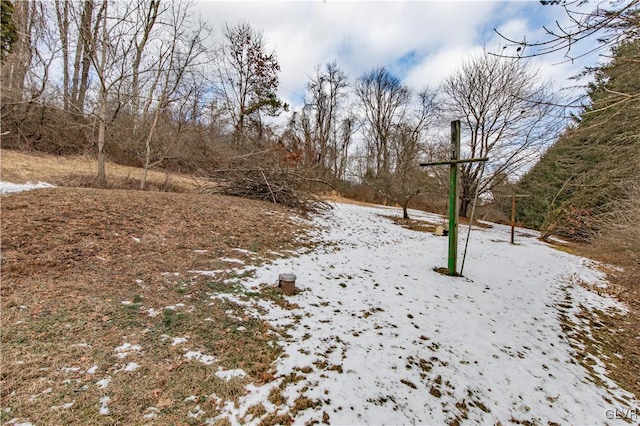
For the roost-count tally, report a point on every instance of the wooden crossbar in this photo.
(453, 192)
(464, 160)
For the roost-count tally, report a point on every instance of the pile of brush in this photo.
(277, 185)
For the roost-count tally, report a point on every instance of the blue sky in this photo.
(420, 41)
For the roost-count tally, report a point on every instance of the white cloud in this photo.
(435, 67)
(433, 37)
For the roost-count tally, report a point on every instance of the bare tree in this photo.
(611, 25)
(25, 73)
(322, 131)
(405, 179)
(507, 115)
(180, 47)
(343, 137)
(246, 78)
(62, 15)
(87, 35)
(383, 100)
(147, 14)
(110, 49)
(328, 89)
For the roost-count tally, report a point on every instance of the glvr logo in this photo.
(623, 414)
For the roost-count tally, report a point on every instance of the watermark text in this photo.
(632, 414)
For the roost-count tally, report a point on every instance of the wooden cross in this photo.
(453, 192)
(513, 213)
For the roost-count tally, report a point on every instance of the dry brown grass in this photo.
(72, 256)
(427, 226)
(614, 334)
(20, 167)
(334, 197)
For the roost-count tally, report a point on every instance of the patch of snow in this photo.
(102, 384)
(179, 340)
(150, 413)
(191, 398)
(229, 374)
(232, 260)
(8, 187)
(126, 302)
(240, 250)
(199, 356)
(104, 408)
(175, 307)
(127, 349)
(153, 313)
(557, 240)
(19, 422)
(136, 239)
(132, 366)
(200, 251)
(195, 412)
(67, 370)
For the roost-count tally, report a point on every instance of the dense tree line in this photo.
(143, 82)
(582, 181)
(147, 83)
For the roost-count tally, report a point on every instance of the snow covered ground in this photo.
(378, 337)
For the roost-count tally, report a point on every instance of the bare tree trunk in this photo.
(80, 46)
(147, 156)
(62, 13)
(150, 19)
(101, 178)
(89, 39)
(464, 207)
(22, 56)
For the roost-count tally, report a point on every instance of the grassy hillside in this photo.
(86, 270)
(20, 167)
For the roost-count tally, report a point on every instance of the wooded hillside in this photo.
(587, 185)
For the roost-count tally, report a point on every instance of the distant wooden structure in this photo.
(513, 213)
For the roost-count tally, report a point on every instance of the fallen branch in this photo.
(279, 186)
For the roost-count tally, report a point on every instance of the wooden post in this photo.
(513, 218)
(453, 193)
(453, 197)
(513, 213)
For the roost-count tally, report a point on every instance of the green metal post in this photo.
(453, 197)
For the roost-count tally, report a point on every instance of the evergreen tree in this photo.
(594, 167)
(8, 31)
